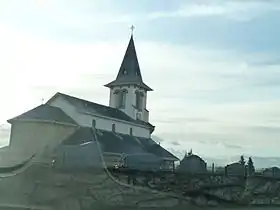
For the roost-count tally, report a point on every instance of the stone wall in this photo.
(215, 189)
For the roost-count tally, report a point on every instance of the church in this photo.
(123, 127)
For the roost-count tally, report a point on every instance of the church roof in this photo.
(100, 109)
(45, 112)
(129, 72)
(119, 143)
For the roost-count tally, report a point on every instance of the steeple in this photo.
(128, 92)
(129, 72)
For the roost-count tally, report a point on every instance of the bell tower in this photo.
(128, 92)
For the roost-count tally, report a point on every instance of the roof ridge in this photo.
(90, 102)
(101, 109)
(85, 100)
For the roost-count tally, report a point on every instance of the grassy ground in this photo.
(190, 208)
(174, 208)
(195, 208)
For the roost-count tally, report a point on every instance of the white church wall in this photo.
(145, 111)
(112, 99)
(146, 115)
(85, 119)
(119, 126)
(35, 137)
(69, 109)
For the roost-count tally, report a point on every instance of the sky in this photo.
(213, 65)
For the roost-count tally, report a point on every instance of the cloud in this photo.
(231, 146)
(86, 14)
(237, 10)
(236, 128)
(180, 22)
(175, 143)
(270, 61)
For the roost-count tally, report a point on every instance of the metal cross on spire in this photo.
(132, 29)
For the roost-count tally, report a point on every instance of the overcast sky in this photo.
(214, 66)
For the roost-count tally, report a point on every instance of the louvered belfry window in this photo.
(121, 98)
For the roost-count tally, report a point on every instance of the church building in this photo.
(123, 127)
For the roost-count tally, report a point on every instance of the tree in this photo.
(242, 160)
(250, 166)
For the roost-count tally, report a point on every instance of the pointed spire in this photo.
(130, 69)
(129, 72)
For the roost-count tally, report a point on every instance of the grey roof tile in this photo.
(154, 148)
(119, 143)
(45, 112)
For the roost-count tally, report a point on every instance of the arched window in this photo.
(113, 127)
(139, 99)
(131, 131)
(122, 98)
